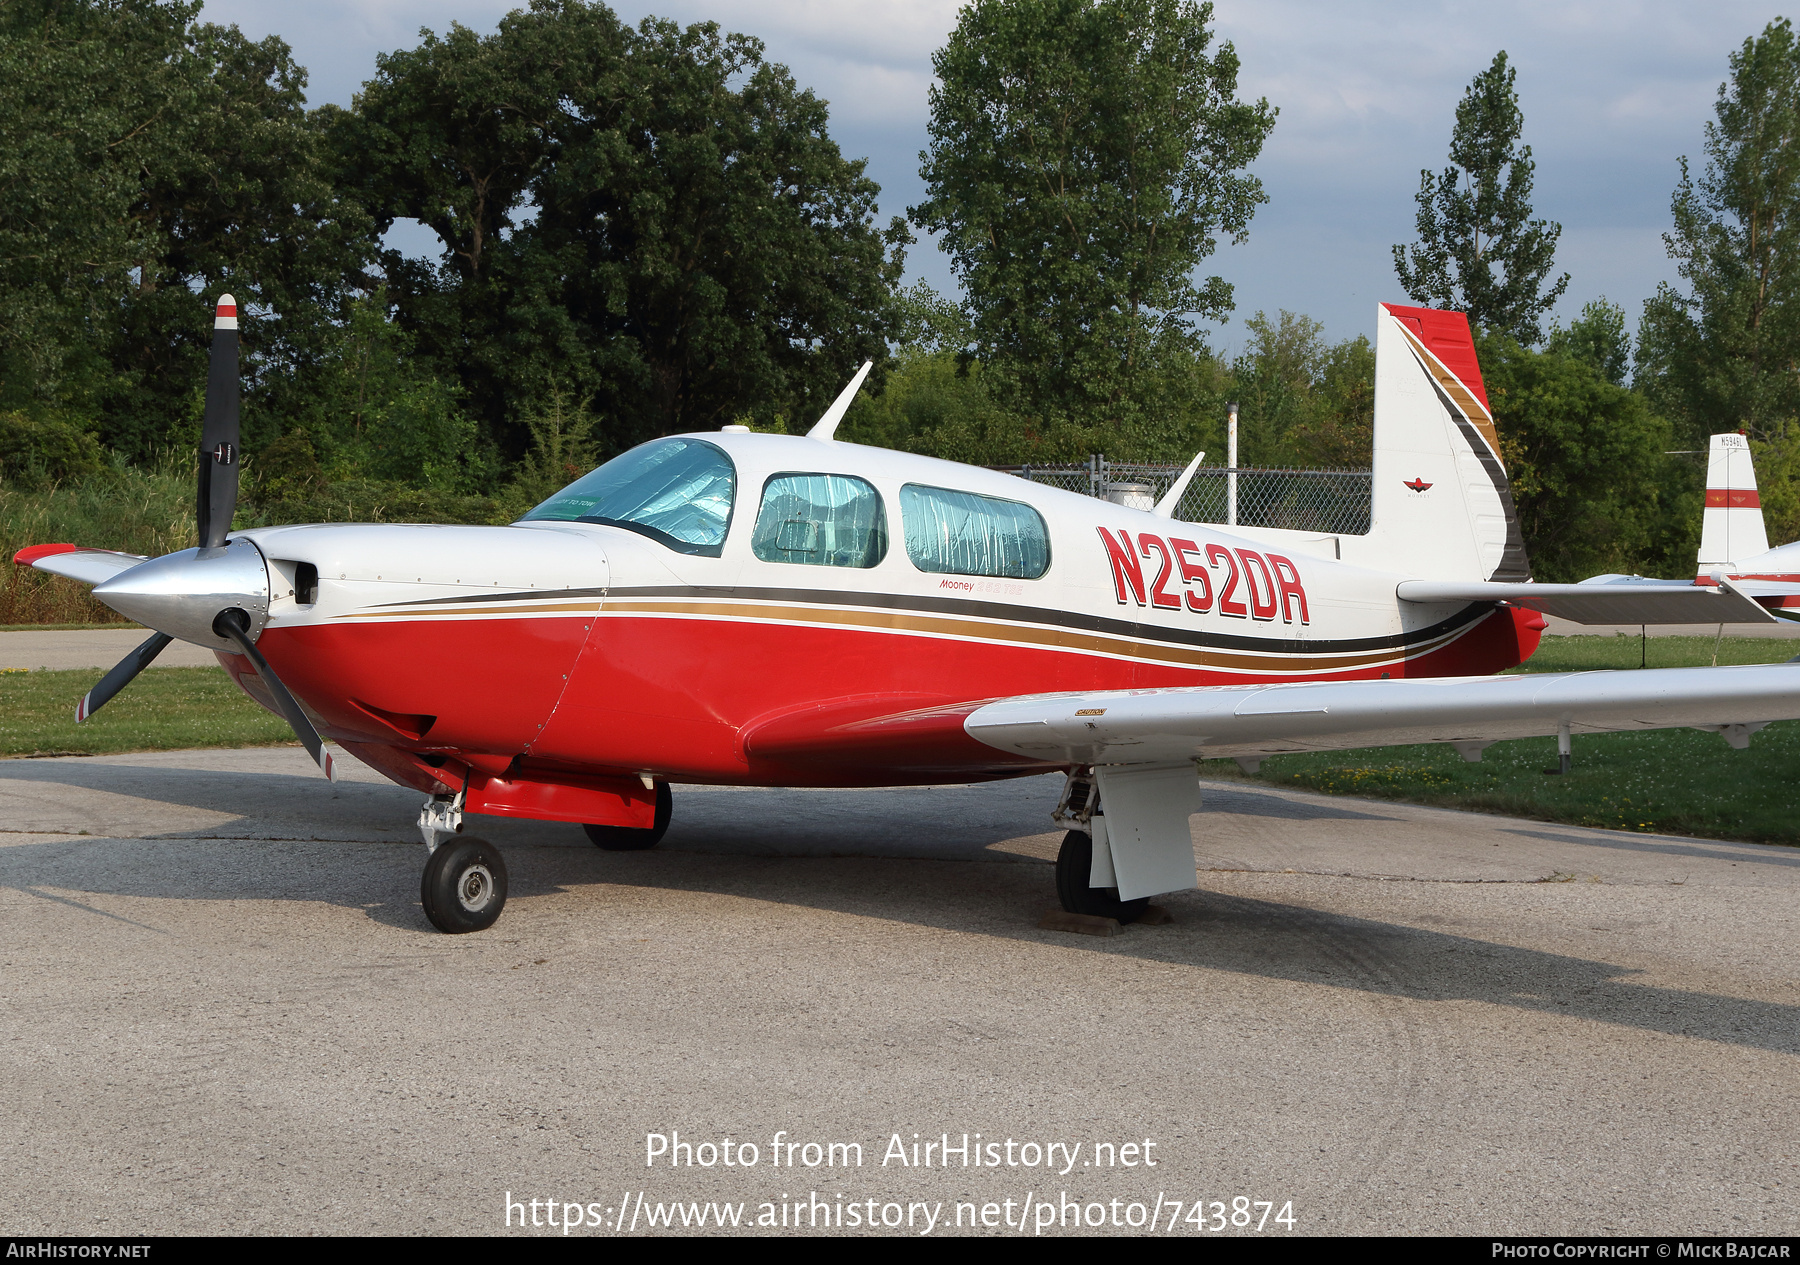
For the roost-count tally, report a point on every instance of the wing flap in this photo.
(1183, 723)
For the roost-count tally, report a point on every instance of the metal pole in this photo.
(1231, 414)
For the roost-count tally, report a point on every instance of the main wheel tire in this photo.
(632, 839)
(464, 887)
(1074, 866)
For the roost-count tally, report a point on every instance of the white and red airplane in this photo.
(773, 610)
(1733, 542)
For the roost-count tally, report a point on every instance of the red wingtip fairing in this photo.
(1448, 337)
(31, 553)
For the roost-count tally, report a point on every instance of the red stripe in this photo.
(1723, 499)
(228, 309)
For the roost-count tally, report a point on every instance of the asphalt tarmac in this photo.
(221, 1010)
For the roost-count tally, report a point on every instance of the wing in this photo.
(90, 566)
(1253, 721)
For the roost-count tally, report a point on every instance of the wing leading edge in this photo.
(1253, 721)
(90, 566)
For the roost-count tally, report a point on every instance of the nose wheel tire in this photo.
(464, 887)
(632, 839)
(1074, 864)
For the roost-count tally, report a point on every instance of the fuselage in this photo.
(786, 652)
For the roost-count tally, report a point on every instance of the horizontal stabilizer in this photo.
(90, 566)
(1627, 600)
(1146, 726)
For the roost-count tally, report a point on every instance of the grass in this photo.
(1666, 781)
(145, 510)
(108, 627)
(1582, 654)
(164, 709)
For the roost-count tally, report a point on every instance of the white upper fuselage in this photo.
(416, 572)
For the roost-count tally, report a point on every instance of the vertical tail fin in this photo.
(1442, 507)
(1731, 526)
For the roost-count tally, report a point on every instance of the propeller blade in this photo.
(120, 677)
(219, 455)
(233, 624)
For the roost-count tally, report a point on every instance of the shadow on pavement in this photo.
(1213, 931)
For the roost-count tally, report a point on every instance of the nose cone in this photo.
(180, 594)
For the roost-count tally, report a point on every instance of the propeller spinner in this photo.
(217, 595)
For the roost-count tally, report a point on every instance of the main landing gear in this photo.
(635, 839)
(1075, 869)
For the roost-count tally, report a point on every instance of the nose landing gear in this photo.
(463, 888)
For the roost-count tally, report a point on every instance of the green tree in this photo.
(151, 163)
(1598, 338)
(1479, 250)
(563, 444)
(655, 216)
(1304, 402)
(70, 99)
(1594, 489)
(1722, 355)
(1085, 156)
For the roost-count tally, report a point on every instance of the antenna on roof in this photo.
(1171, 501)
(827, 425)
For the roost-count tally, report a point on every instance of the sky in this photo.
(1614, 92)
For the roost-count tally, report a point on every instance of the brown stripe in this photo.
(1465, 399)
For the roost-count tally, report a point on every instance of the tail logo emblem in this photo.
(1418, 485)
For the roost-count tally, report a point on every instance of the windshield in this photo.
(678, 492)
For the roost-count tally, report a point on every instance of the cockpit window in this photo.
(678, 492)
(820, 520)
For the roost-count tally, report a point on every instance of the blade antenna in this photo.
(120, 677)
(219, 455)
(236, 625)
(1171, 500)
(827, 425)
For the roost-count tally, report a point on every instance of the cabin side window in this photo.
(820, 520)
(961, 533)
(678, 492)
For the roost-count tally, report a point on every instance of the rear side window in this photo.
(964, 534)
(820, 520)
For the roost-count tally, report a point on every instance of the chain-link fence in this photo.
(1335, 502)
